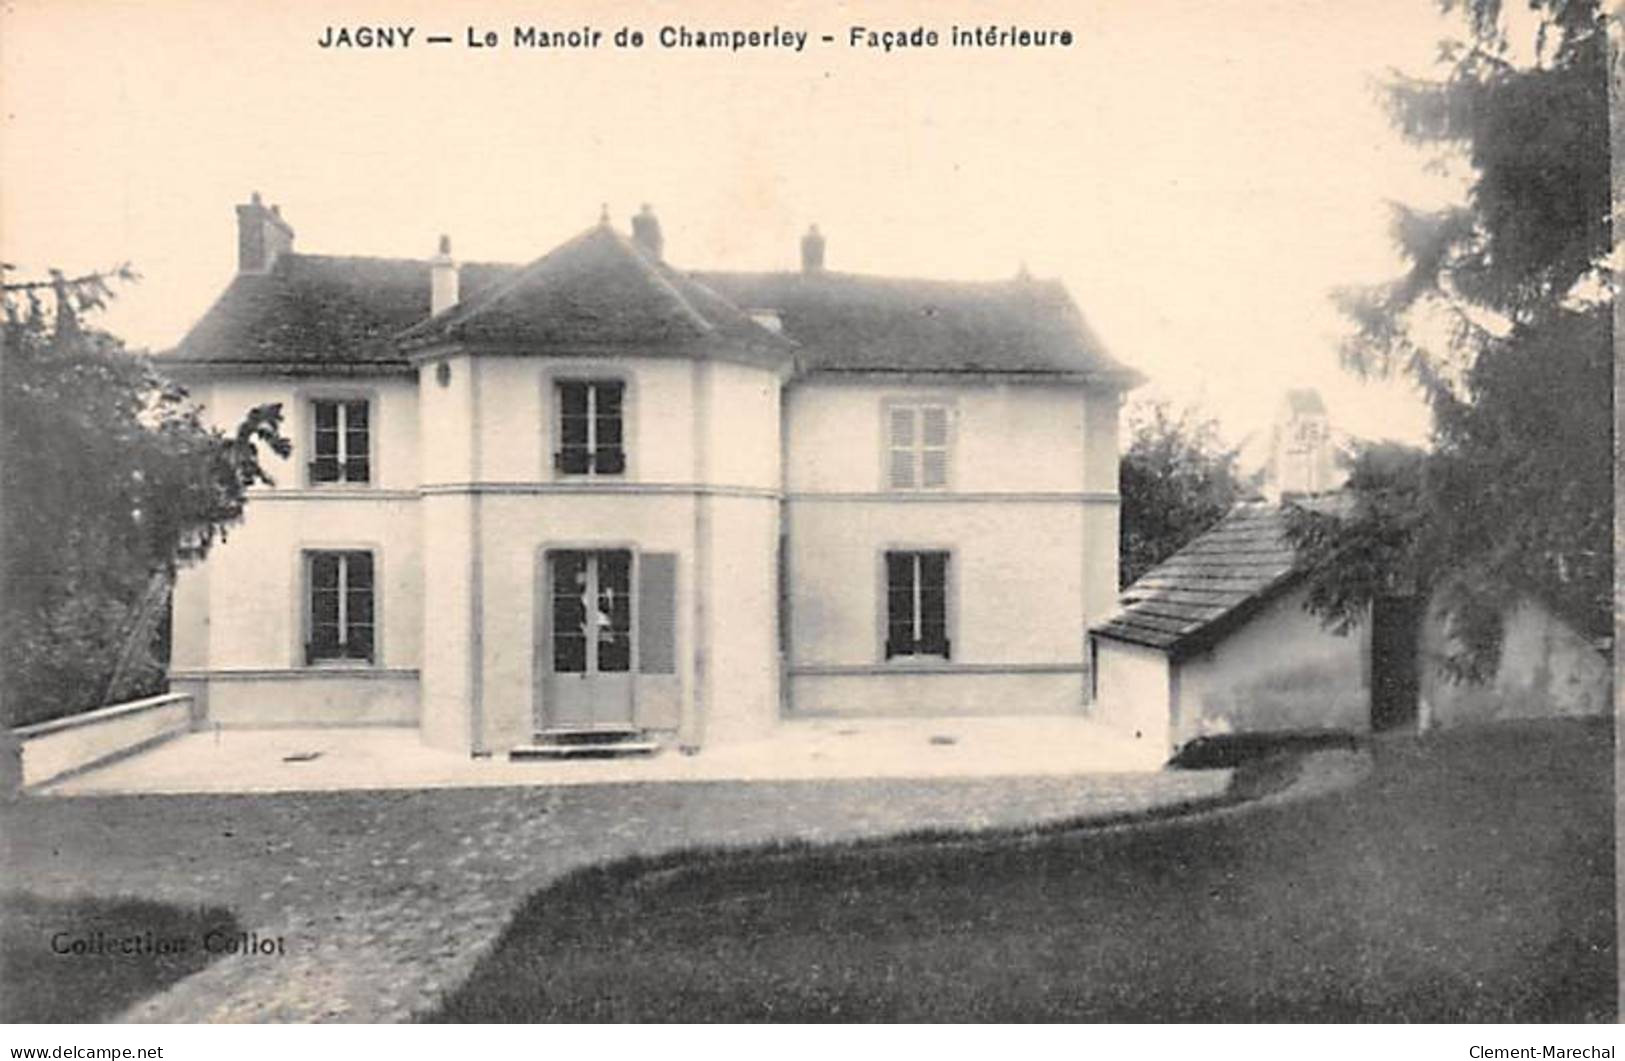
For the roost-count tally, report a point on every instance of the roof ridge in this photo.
(652, 270)
(1007, 283)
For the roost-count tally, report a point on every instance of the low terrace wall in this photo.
(61, 746)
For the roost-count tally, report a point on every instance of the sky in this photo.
(1201, 175)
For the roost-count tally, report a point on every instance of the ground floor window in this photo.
(340, 606)
(917, 604)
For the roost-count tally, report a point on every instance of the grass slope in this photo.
(40, 985)
(1470, 878)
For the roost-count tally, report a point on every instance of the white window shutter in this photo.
(934, 446)
(934, 467)
(900, 467)
(902, 428)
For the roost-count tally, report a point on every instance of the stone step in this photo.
(608, 734)
(583, 750)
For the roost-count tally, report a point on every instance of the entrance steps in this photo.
(586, 742)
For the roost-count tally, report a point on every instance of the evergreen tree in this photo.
(109, 481)
(1504, 319)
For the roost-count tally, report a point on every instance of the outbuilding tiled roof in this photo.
(1209, 587)
(601, 290)
(319, 310)
(844, 322)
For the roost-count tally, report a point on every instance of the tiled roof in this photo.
(319, 310)
(1209, 587)
(848, 323)
(319, 313)
(601, 290)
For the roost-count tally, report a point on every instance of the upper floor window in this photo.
(341, 441)
(917, 446)
(591, 429)
(917, 604)
(340, 606)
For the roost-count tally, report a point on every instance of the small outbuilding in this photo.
(1218, 639)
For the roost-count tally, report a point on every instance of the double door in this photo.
(587, 648)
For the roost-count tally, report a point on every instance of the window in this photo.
(341, 442)
(591, 435)
(340, 623)
(917, 436)
(917, 604)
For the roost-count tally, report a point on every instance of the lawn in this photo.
(1469, 878)
(84, 959)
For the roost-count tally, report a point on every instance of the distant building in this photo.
(1303, 454)
(596, 492)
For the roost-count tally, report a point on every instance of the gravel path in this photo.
(385, 899)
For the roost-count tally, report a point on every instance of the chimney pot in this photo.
(812, 251)
(443, 293)
(262, 236)
(646, 232)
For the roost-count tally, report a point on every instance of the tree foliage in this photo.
(108, 478)
(1504, 318)
(1176, 480)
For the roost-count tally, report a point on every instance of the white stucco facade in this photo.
(1028, 521)
(1281, 671)
(466, 507)
(239, 622)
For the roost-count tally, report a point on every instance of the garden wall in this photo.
(49, 750)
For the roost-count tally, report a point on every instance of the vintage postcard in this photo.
(808, 512)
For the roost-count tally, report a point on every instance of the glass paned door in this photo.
(589, 638)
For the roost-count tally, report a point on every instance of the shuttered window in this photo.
(341, 442)
(917, 446)
(917, 604)
(657, 613)
(341, 612)
(591, 427)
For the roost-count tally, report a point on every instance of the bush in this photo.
(1229, 750)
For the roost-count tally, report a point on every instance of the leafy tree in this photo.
(1504, 318)
(109, 480)
(1176, 480)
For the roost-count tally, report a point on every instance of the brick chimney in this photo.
(646, 232)
(812, 251)
(442, 279)
(261, 236)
